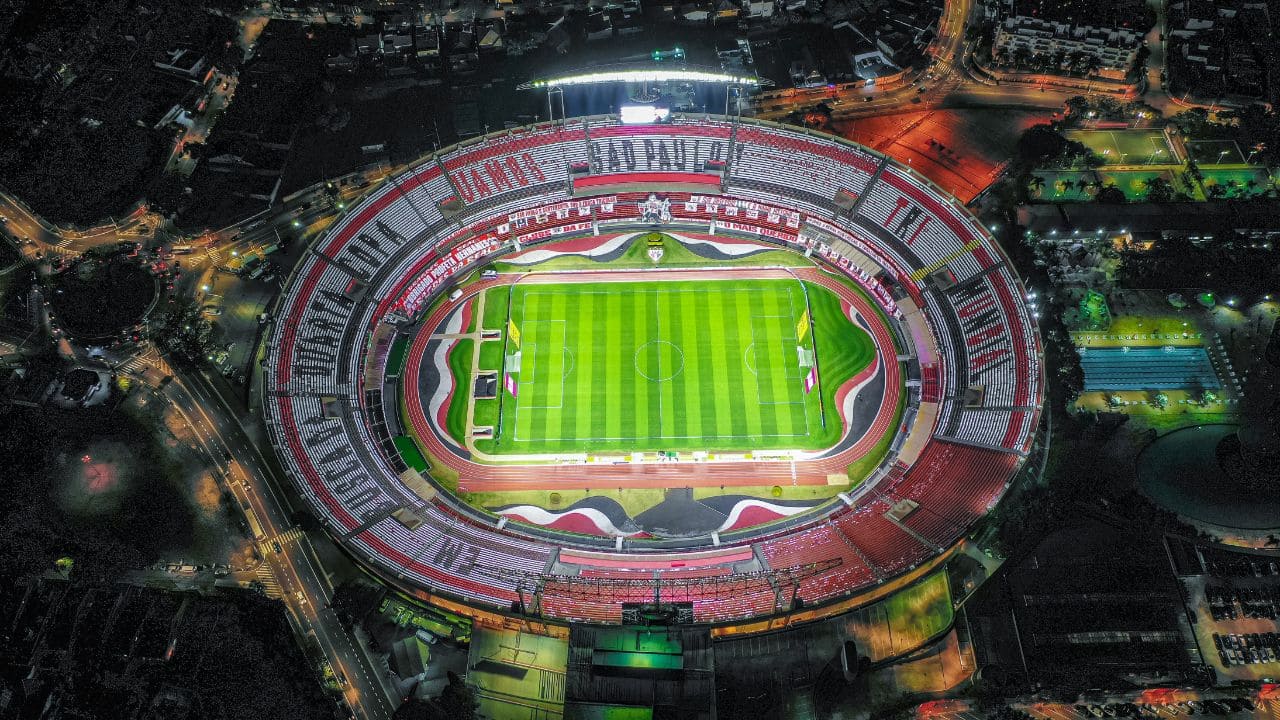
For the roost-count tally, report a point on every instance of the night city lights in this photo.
(737, 359)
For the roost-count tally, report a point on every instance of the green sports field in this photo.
(1127, 147)
(716, 365)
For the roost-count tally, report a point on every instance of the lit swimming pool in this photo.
(1162, 368)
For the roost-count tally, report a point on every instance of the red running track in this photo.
(477, 477)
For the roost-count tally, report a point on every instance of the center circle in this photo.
(659, 360)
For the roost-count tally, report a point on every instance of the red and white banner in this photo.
(511, 385)
(564, 207)
(445, 267)
(811, 379)
(530, 238)
(756, 230)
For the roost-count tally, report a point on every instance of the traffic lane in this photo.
(245, 465)
(253, 467)
(355, 666)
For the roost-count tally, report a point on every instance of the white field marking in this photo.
(532, 351)
(759, 394)
(630, 438)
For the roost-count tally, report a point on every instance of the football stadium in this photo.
(709, 371)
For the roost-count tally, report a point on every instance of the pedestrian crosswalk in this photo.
(140, 363)
(290, 535)
(268, 581)
(134, 365)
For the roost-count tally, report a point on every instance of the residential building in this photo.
(1111, 51)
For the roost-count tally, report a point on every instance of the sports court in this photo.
(696, 365)
(1127, 147)
(1216, 152)
(1134, 183)
(1147, 368)
(1063, 185)
(1237, 182)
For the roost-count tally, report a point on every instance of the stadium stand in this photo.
(387, 257)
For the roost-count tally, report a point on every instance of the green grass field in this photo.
(1127, 147)
(689, 365)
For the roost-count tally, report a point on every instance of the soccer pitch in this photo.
(1127, 147)
(677, 365)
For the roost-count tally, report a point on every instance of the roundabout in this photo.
(487, 383)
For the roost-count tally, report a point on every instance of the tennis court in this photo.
(1147, 368)
(1127, 147)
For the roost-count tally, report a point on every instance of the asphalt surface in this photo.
(306, 589)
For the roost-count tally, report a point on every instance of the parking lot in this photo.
(1237, 625)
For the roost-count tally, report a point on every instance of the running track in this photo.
(476, 477)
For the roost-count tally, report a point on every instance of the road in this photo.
(295, 571)
(33, 234)
(941, 77)
(1155, 703)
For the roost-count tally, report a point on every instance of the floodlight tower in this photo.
(648, 76)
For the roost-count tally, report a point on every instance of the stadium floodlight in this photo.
(645, 75)
(642, 114)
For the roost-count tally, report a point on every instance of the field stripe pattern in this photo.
(647, 366)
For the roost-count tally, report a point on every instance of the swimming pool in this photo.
(1144, 368)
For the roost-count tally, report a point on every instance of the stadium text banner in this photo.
(513, 333)
(802, 327)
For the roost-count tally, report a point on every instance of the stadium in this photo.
(709, 370)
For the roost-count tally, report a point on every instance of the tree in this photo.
(1159, 190)
(1110, 195)
(184, 332)
(354, 600)
(1078, 105)
(1191, 122)
(456, 702)
(1037, 184)
(1038, 144)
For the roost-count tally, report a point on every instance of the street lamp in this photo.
(1221, 155)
